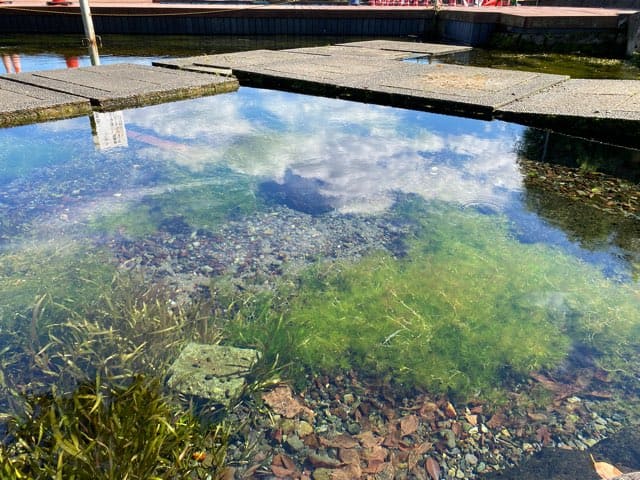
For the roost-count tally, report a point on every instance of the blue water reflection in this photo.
(358, 157)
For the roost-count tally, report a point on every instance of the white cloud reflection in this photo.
(362, 154)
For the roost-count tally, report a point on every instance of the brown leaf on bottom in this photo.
(605, 470)
(433, 468)
(409, 425)
(281, 401)
(349, 456)
(339, 441)
(369, 440)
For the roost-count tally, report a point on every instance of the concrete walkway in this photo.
(401, 74)
(604, 110)
(55, 94)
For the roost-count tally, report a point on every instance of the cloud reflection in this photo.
(362, 154)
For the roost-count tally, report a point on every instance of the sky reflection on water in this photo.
(358, 156)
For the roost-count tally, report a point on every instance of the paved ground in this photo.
(53, 94)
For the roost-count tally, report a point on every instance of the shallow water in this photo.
(448, 254)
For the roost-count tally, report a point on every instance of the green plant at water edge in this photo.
(469, 308)
(107, 431)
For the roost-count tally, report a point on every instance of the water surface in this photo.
(479, 260)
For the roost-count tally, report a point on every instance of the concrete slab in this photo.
(456, 89)
(118, 86)
(318, 68)
(345, 51)
(450, 89)
(243, 59)
(605, 110)
(21, 104)
(408, 47)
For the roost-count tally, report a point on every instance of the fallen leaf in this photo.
(497, 420)
(450, 411)
(282, 460)
(537, 417)
(348, 472)
(349, 456)
(408, 425)
(281, 401)
(456, 428)
(375, 466)
(339, 441)
(323, 461)
(423, 447)
(368, 439)
(433, 468)
(283, 467)
(471, 419)
(605, 470)
(543, 435)
(375, 454)
(428, 409)
(392, 440)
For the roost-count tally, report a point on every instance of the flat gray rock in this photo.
(214, 372)
(20, 104)
(408, 47)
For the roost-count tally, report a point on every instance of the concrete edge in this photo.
(614, 131)
(46, 114)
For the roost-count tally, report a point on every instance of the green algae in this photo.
(66, 272)
(469, 311)
(574, 65)
(180, 209)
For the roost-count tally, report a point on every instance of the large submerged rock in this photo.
(214, 372)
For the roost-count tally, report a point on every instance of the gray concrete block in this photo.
(21, 103)
(408, 47)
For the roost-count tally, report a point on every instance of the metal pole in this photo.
(88, 31)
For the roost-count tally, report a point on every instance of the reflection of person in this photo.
(11, 62)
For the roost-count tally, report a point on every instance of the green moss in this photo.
(468, 309)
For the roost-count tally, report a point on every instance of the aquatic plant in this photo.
(81, 375)
(468, 309)
(107, 431)
(180, 209)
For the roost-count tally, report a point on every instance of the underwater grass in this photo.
(81, 374)
(469, 310)
(106, 431)
(180, 209)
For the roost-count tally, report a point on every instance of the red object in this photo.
(72, 62)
